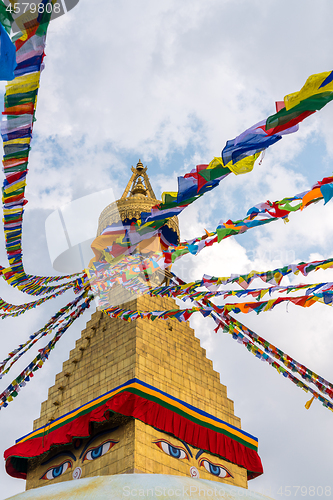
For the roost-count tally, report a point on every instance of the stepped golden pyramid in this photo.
(138, 409)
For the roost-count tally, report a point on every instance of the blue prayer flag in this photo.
(7, 56)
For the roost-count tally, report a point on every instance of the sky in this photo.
(170, 82)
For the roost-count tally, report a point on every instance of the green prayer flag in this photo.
(6, 19)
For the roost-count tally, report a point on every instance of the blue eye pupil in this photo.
(174, 452)
(214, 469)
(97, 452)
(57, 471)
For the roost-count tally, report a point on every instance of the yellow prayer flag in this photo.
(309, 403)
(269, 305)
(16, 186)
(325, 266)
(22, 84)
(24, 36)
(172, 194)
(10, 211)
(311, 87)
(6, 270)
(215, 163)
(278, 276)
(26, 140)
(243, 166)
(263, 293)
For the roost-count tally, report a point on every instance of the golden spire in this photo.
(138, 197)
(139, 183)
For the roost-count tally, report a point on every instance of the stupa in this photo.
(138, 409)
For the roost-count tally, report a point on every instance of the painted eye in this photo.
(170, 449)
(215, 469)
(57, 471)
(99, 451)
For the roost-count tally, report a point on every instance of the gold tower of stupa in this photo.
(166, 362)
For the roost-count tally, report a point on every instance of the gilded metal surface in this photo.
(138, 197)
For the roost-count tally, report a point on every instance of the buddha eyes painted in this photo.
(57, 471)
(98, 451)
(170, 449)
(215, 469)
(179, 452)
(87, 453)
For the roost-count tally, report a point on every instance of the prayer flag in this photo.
(7, 56)
(315, 84)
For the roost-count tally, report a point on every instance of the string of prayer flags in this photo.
(261, 214)
(274, 277)
(19, 382)
(16, 130)
(290, 363)
(325, 297)
(107, 276)
(314, 95)
(191, 292)
(191, 186)
(12, 310)
(128, 271)
(305, 372)
(52, 324)
(104, 275)
(35, 284)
